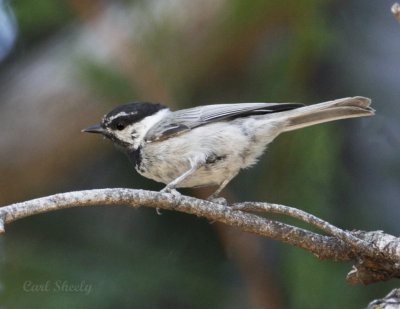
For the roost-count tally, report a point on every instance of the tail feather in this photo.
(327, 111)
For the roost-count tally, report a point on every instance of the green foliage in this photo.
(38, 19)
(105, 80)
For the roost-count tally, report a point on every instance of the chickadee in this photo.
(208, 145)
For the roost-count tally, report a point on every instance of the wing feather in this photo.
(183, 120)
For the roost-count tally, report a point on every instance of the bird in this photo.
(208, 145)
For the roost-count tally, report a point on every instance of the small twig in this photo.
(396, 10)
(347, 237)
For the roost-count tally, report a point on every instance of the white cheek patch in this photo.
(134, 134)
(125, 134)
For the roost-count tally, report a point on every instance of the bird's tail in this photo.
(327, 111)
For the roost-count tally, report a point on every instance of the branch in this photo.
(322, 246)
(376, 255)
(311, 219)
(392, 300)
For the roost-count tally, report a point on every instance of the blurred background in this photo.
(65, 63)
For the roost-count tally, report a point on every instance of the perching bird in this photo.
(209, 145)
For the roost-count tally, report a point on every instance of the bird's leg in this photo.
(214, 197)
(170, 188)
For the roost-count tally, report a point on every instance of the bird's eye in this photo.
(120, 126)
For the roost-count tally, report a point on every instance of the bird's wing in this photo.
(187, 119)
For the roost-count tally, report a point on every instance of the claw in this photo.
(171, 191)
(218, 200)
(166, 189)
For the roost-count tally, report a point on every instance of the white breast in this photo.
(237, 144)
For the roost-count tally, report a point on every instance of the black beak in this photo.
(94, 129)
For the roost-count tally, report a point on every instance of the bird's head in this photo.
(126, 125)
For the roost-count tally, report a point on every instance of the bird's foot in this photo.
(171, 191)
(218, 200)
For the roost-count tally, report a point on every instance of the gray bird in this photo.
(208, 145)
